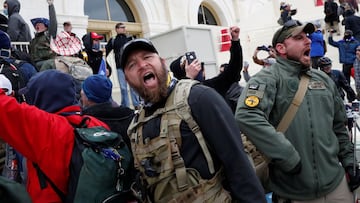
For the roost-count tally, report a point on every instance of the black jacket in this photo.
(92, 58)
(331, 12)
(117, 118)
(352, 22)
(116, 44)
(222, 82)
(342, 85)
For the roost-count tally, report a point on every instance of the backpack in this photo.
(13, 192)
(14, 75)
(257, 160)
(98, 168)
(74, 66)
(12, 164)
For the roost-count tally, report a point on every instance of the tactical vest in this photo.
(159, 159)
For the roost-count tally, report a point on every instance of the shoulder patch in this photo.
(254, 86)
(252, 101)
(317, 85)
(256, 89)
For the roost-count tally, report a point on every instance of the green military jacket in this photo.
(317, 136)
(39, 47)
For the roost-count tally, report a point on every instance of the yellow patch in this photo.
(252, 101)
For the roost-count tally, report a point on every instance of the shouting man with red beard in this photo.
(310, 155)
(185, 140)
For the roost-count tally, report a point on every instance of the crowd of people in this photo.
(182, 130)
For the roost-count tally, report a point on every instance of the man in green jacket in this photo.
(309, 161)
(40, 52)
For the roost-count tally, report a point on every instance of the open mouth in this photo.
(149, 77)
(307, 53)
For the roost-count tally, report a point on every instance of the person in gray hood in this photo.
(18, 29)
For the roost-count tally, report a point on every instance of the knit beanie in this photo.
(97, 88)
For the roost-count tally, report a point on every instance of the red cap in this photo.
(94, 35)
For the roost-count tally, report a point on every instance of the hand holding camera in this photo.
(192, 65)
(190, 56)
(263, 48)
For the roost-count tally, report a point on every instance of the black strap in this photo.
(43, 179)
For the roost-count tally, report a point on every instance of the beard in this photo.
(159, 94)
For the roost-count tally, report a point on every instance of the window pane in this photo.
(120, 11)
(209, 18)
(95, 9)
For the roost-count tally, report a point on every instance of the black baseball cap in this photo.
(134, 45)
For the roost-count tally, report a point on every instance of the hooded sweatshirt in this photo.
(41, 135)
(51, 91)
(18, 29)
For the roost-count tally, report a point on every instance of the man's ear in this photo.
(162, 60)
(280, 48)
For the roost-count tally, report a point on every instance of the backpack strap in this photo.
(43, 179)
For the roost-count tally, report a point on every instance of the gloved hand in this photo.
(353, 179)
(50, 2)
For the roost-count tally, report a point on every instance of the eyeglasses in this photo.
(357, 49)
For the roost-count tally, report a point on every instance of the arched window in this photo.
(112, 10)
(205, 16)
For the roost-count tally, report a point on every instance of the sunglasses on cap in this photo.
(290, 28)
(288, 25)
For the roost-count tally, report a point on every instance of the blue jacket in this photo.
(347, 49)
(317, 44)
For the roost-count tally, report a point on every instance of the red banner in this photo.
(319, 2)
(225, 40)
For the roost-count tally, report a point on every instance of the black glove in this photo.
(353, 177)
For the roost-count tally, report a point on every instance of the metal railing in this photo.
(21, 46)
(24, 46)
